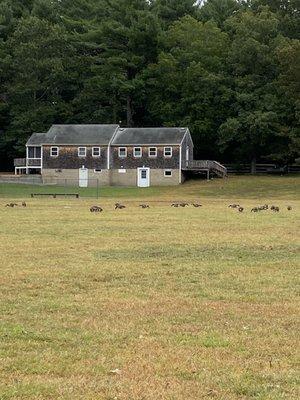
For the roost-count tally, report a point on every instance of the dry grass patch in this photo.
(160, 303)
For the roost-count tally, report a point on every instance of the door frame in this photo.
(138, 176)
(80, 179)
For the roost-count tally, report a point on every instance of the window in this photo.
(34, 152)
(144, 174)
(168, 151)
(168, 172)
(122, 152)
(97, 170)
(96, 151)
(137, 152)
(54, 151)
(81, 151)
(152, 152)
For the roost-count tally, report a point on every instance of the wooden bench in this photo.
(54, 195)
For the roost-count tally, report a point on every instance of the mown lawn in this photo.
(162, 303)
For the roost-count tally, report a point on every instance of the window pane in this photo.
(152, 151)
(96, 151)
(122, 151)
(168, 151)
(137, 152)
(81, 151)
(54, 151)
(37, 152)
(30, 152)
(144, 174)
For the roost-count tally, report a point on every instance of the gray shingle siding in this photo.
(68, 158)
(159, 162)
(187, 142)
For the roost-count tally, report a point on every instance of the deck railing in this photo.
(34, 162)
(20, 162)
(207, 165)
(31, 162)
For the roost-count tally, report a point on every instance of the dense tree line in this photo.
(228, 69)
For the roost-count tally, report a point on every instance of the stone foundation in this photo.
(70, 177)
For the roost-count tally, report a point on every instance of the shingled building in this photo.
(111, 155)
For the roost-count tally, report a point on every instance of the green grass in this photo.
(255, 187)
(186, 303)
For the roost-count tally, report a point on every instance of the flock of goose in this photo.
(238, 207)
(12, 205)
(119, 206)
(259, 208)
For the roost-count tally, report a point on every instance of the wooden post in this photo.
(207, 174)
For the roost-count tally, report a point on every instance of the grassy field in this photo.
(162, 303)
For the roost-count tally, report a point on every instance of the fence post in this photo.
(97, 188)
(65, 187)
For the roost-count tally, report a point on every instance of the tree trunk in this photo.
(129, 111)
(253, 165)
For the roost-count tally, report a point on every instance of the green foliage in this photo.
(228, 69)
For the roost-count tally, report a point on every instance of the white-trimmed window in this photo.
(81, 151)
(34, 152)
(96, 151)
(54, 151)
(168, 173)
(152, 152)
(122, 152)
(168, 152)
(97, 170)
(137, 152)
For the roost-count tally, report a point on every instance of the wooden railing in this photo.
(207, 165)
(31, 162)
(20, 162)
(34, 162)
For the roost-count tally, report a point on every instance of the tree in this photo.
(170, 11)
(288, 14)
(125, 43)
(253, 124)
(289, 92)
(219, 10)
(39, 56)
(187, 87)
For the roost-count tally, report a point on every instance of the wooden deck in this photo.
(206, 166)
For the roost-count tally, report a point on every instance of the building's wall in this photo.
(157, 178)
(68, 158)
(159, 162)
(187, 142)
(70, 177)
(64, 169)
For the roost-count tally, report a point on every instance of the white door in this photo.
(83, 177)
(143, 177)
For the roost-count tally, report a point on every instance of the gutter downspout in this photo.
(26, 164)
(108, 152)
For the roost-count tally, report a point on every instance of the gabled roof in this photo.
(75, 135)
(104, 134)
(146, 136)
(36, 139)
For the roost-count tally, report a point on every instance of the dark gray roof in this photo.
(36, 139)
(145, 136)
(75, 134)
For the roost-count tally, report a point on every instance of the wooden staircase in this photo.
(208, 166)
